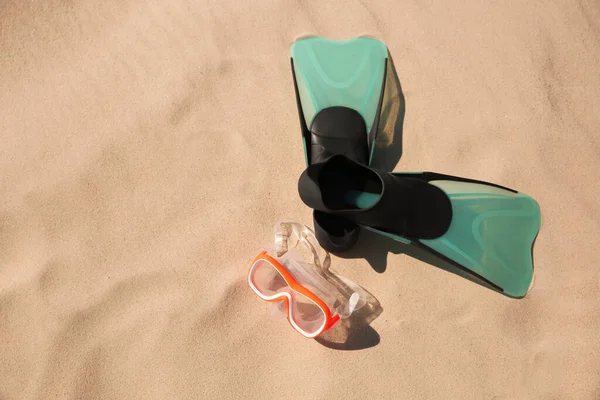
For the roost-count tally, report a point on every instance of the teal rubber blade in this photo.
(348, 73)
(491, 234)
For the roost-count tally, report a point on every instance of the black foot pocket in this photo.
(335, 234)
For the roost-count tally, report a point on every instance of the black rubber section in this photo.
(338, 130)
(434, 176)
(335, 234)
(407, 206)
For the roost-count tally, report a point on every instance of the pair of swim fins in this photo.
(484, 228)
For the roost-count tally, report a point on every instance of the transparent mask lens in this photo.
(267, 279)
(305, 312)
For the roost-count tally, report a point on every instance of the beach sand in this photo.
(147, 148)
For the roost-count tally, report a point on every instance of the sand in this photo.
(148, 147)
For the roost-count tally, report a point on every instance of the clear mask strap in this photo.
(289, 233)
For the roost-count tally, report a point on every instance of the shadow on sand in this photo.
(355, 333)
(375, 249)
(388, 145)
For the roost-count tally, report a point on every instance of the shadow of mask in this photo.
(355, 332)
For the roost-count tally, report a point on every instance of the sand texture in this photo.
(147, 148)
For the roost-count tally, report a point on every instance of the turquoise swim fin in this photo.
(491, 233)
(339, 89)
(478, 226)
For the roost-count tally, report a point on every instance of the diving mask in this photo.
(295, 271)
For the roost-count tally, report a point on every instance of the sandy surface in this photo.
(146, 148)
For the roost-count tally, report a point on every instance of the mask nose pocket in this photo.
(279, 309)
